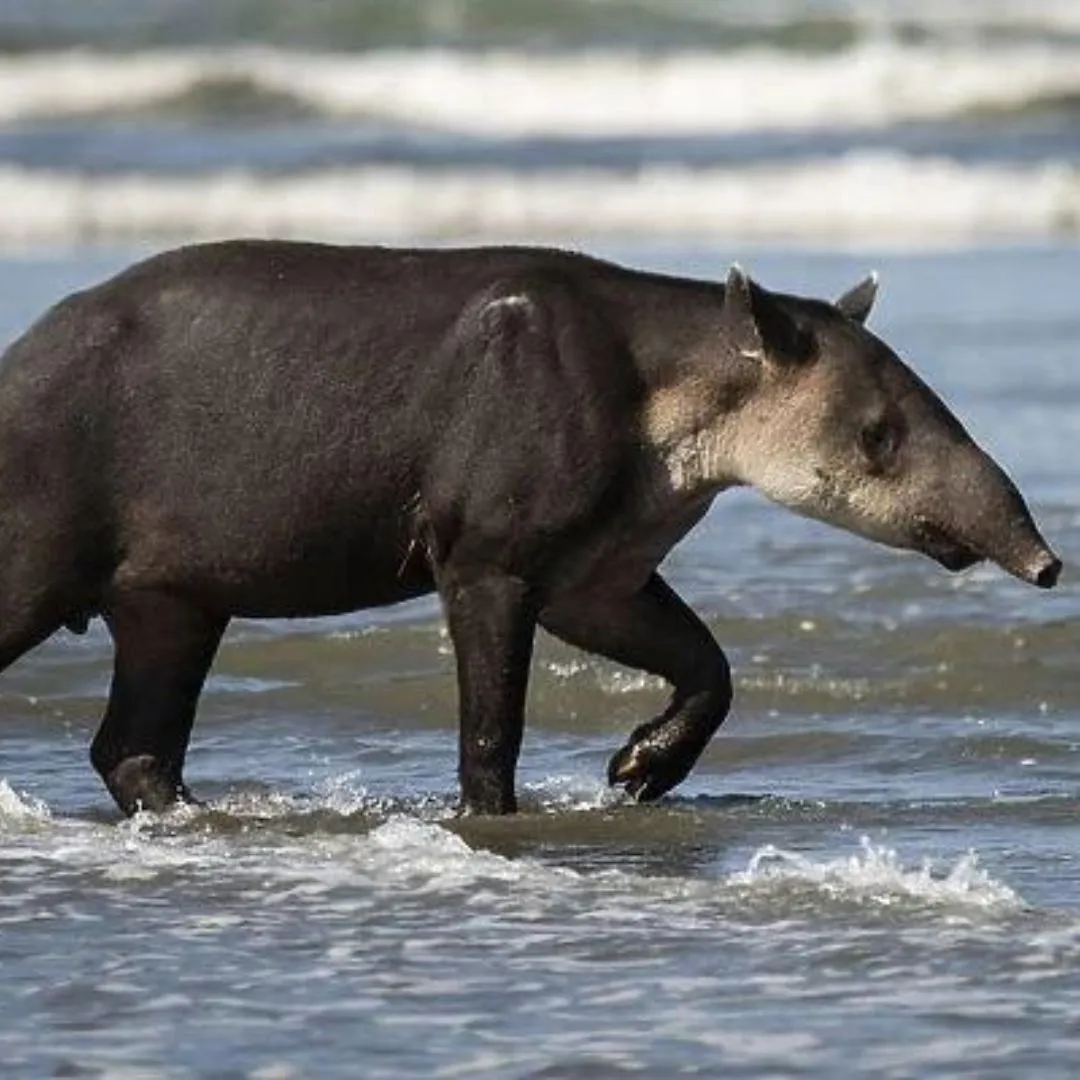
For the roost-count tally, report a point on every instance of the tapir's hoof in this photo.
(142, 783)
(487, 801)
(648, 768)
(627, 768)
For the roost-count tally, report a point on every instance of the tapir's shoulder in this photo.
(542, 333)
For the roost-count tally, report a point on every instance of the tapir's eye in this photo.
(879, 441)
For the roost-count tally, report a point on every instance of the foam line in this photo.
(861, 198)
(875, 83)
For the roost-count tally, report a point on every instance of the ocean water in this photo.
(875, 869)
(829, 123)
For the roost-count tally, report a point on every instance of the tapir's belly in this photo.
(276, 563)
(320, 586)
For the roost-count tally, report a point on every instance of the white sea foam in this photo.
(876, 875)
(585, 93)
(402, 853)
(559, 794)
(18, 812)
(860, 198)
(610, 680)
(346, 796)
(420, 852)
(423, 856)
(427, 857)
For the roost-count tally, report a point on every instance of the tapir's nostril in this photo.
(1047, 574)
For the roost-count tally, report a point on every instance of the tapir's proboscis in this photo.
(265, 429)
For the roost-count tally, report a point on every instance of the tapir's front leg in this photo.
(492, 622)
(653, 630)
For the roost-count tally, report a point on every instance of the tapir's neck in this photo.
(692, 387)
(667, 322)
(690, 442)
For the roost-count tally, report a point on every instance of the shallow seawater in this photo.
(874, 871)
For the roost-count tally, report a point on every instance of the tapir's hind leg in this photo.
(34, 599)
(14, 643)
(164, 648)
(654, 631)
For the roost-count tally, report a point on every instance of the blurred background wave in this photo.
(906, 124)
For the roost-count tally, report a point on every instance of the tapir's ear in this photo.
(857, 302)
(739, 321)
(755, 323)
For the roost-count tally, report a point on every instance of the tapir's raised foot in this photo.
(654, 631)
(658, 755)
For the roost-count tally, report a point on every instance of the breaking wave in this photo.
(20, 812)
(270, 834)
(598, 92)
(876, 875)
(859, 198)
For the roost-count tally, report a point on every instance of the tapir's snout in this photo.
(1047, 573)
(987, 519)
(1032, 561)
(1042, 568)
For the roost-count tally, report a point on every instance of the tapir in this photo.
(267, 429)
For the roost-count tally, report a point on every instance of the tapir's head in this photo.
(832, 424)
